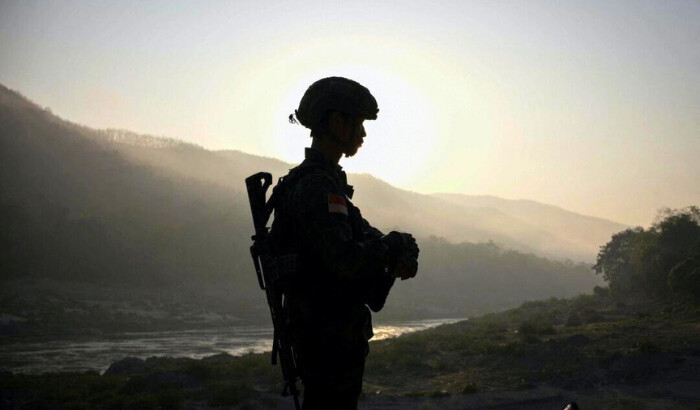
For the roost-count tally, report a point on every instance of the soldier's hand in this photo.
(406, 268)
(400, 243)
(410, 247)
(403, 254)
(394, 241)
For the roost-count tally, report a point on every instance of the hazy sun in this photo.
(398, 143)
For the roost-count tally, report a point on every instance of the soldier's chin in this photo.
(350, 152)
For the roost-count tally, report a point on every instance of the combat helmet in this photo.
(334, 94)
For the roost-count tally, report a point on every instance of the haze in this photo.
(591, 106)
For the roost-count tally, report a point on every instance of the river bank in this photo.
(601, 353)
(38, 355)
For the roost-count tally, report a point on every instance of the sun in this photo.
(398, 143)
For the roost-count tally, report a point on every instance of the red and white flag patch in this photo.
(337, 204)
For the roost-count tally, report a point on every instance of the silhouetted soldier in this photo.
(345, 264)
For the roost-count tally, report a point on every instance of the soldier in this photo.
(344, 264)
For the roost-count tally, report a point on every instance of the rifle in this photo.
(271, 270)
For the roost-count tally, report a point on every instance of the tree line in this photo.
(661, 262)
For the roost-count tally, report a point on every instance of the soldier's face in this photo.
(354, 137)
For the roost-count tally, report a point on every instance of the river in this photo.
(35, 357)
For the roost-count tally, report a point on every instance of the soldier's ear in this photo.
(337, 126)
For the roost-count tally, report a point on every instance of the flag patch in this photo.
(337, 204)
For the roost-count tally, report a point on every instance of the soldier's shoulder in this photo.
(307, 187)
(316, 180)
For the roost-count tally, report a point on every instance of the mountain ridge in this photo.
(369, 199)
(487, 218)
(138, 212)
(583, 230)
(526, 201)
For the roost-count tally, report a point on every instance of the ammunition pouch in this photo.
(285, 268)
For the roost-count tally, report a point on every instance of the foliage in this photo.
(533, 345)
(155, 383)
(658, 262)
(615, 263)
(684, 278)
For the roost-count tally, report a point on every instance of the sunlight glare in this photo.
(397, 145)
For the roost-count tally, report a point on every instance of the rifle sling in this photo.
(275, 352)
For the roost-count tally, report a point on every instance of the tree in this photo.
(657, 262)
(684, 278)
(615, 263)
(678, 247)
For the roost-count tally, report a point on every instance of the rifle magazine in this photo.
(286, 268)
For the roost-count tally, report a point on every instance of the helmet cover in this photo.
(335, 94)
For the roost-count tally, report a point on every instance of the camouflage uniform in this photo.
(342, 271)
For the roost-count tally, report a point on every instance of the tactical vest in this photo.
(317, 305)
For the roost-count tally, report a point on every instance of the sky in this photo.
(591, 106)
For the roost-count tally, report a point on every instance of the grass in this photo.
(160, 383)
(537, 344)
(533, 345)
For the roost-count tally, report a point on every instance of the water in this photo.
(98, 353)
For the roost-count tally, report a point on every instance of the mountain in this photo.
(558, 231)
(523, 225)
(136, 217)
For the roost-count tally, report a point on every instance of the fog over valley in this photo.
(136, 232)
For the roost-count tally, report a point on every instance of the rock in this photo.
(129, 365)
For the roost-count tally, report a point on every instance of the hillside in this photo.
(523, 225)
(134, 217)
(526, 226)
(577, 231)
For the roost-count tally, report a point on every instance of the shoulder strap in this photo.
(293, 176)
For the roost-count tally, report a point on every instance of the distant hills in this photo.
(549, 230)
(121, 210)
(523, 225)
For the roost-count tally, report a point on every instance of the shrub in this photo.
(228, 393)
(601, 292)
(535, 328)
(574, 320)
(684, 278)
(471, 388)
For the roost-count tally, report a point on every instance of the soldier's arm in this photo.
(403, 270)
(370, 231)
(381, 284)
(323, 213)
